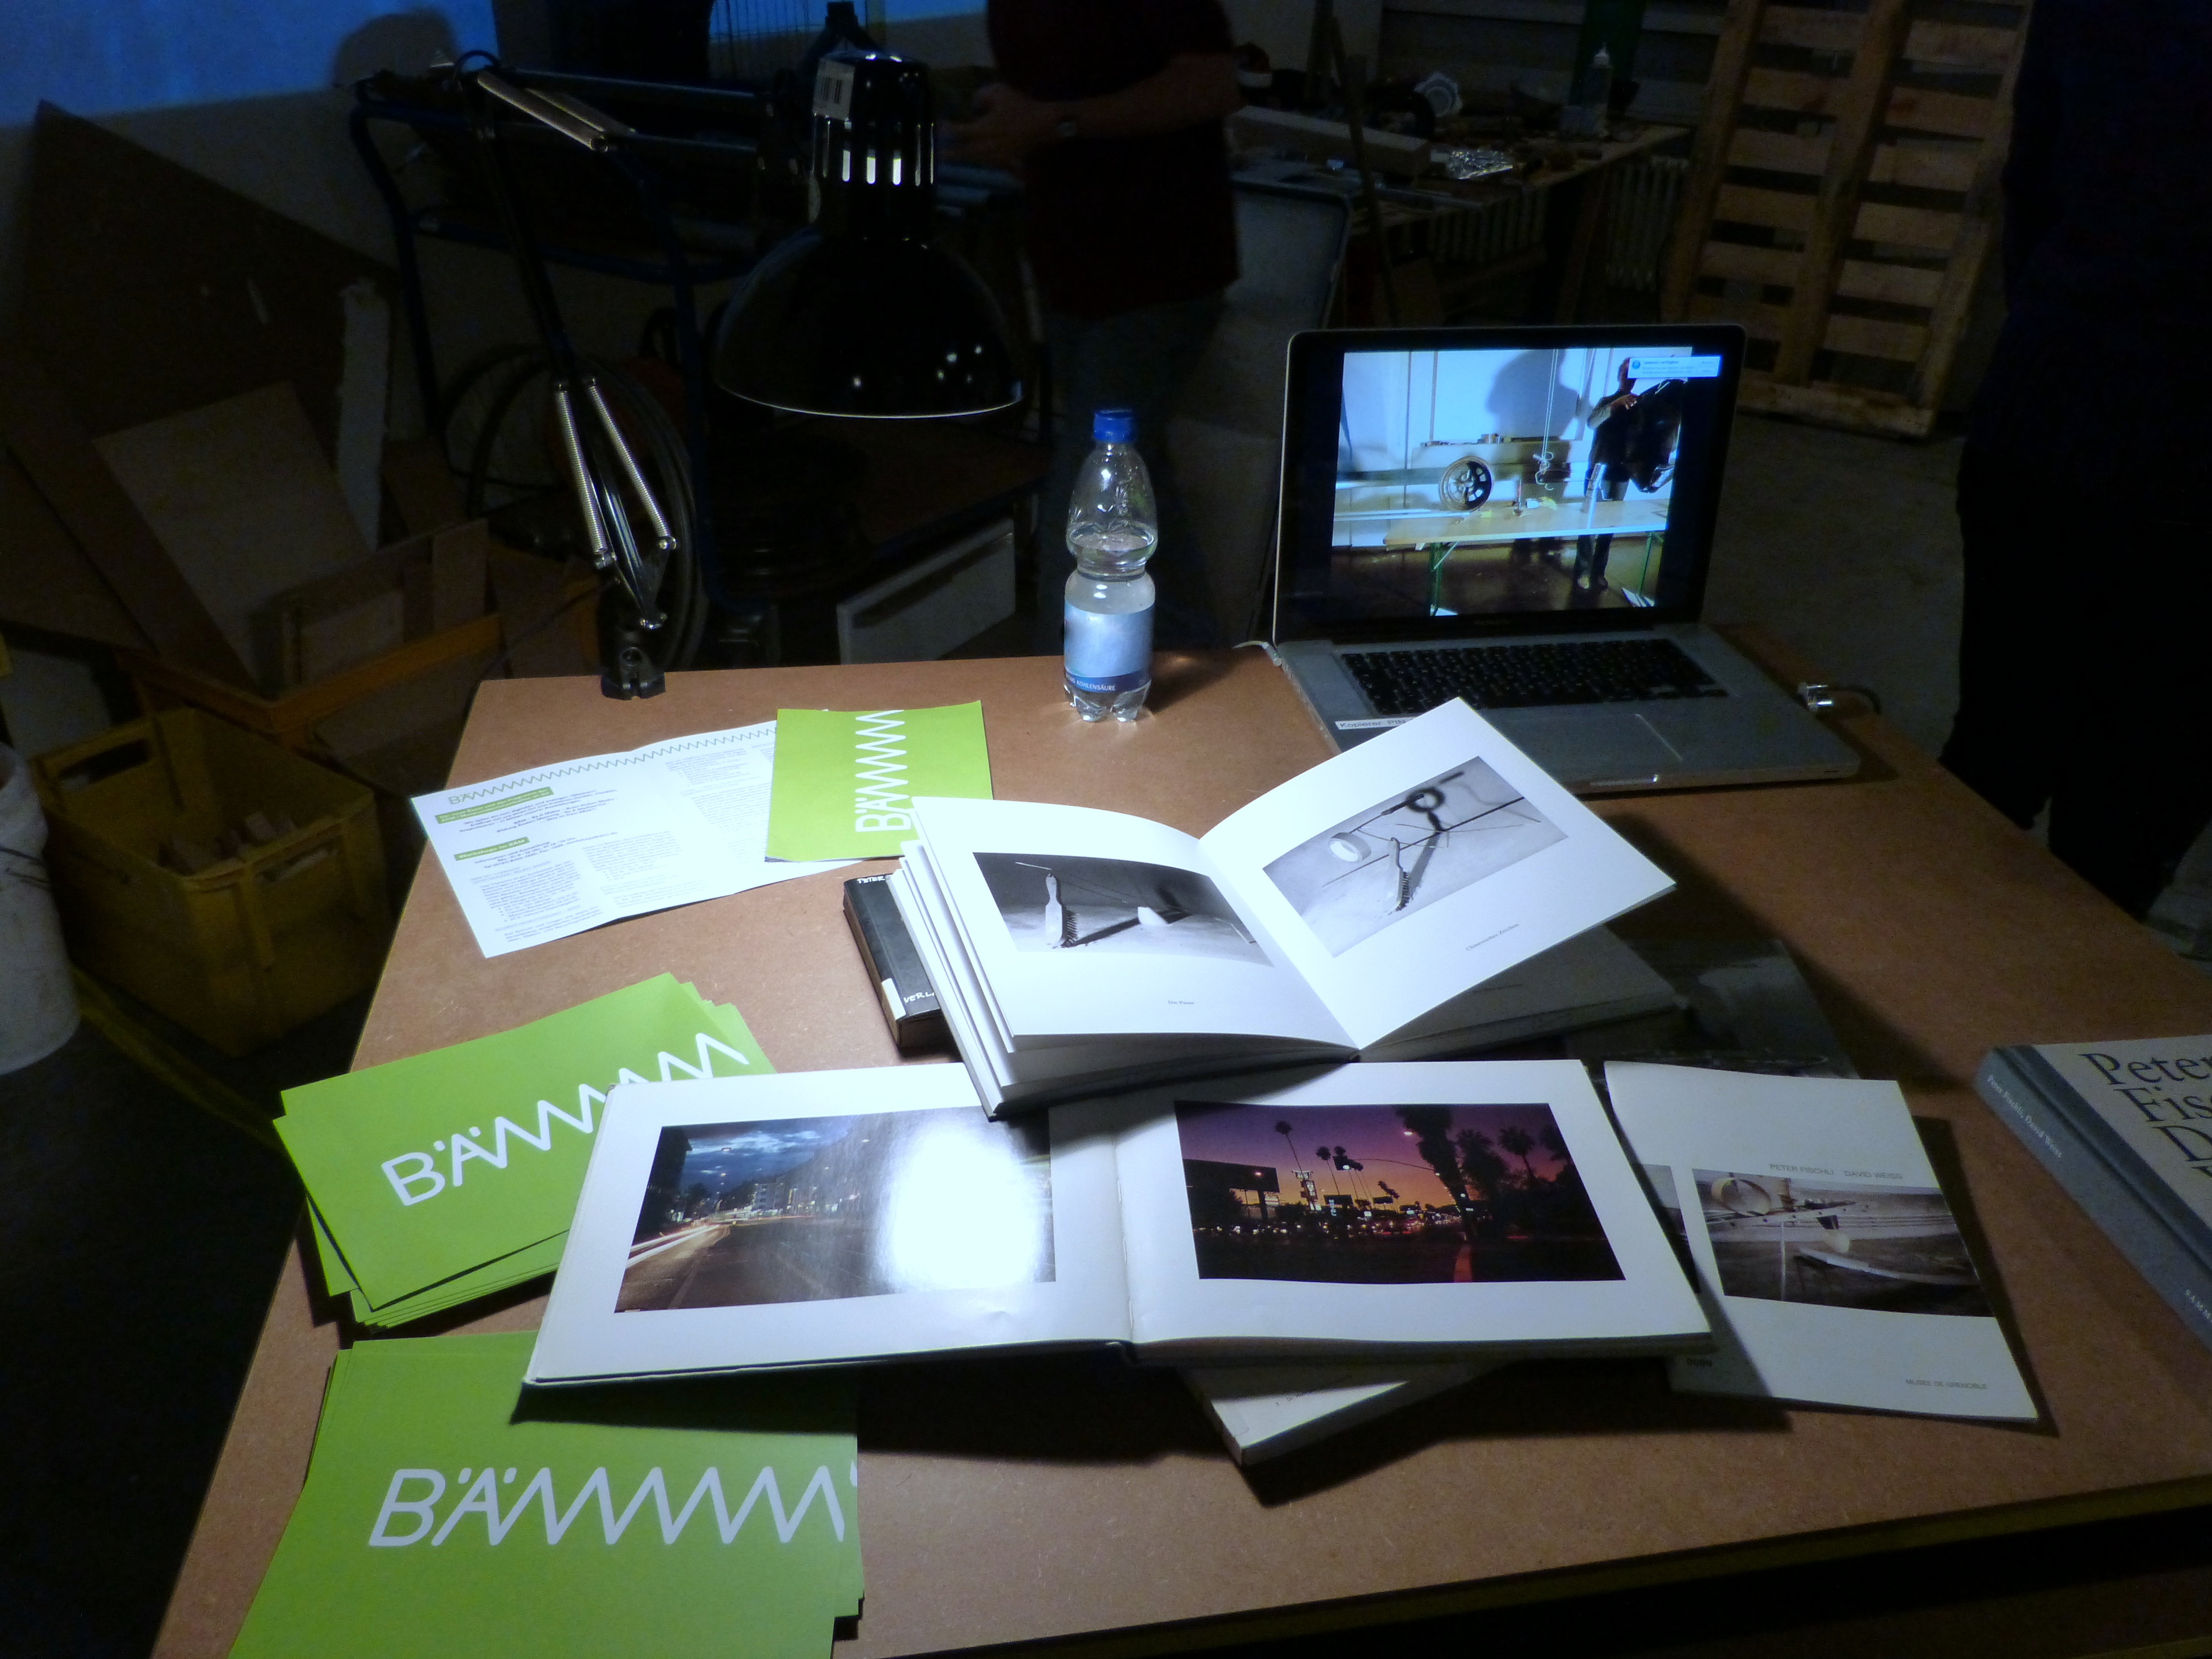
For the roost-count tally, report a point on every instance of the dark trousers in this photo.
(2084, 684)
(1138, 360)
(1591, 551)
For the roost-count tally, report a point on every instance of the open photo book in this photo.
(1426, 1210)
(1432, 890)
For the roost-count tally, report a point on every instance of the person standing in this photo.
(1111, 110)
(2082, 683)
(1608, 477)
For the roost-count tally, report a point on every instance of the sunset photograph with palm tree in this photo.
(1387, 1194)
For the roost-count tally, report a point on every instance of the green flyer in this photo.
(432, 1167)
(844, 781)
(440, 1517)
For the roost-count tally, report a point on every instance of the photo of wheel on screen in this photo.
(1407, 851)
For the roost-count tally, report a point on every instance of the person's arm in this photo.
(1190, 90)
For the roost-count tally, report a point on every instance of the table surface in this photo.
(1053, 1498)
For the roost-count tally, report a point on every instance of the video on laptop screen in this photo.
(1497, 482)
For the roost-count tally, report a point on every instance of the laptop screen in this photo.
(1461, 481)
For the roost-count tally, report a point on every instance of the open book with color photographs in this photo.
(1415, 1211)
(1430, 891)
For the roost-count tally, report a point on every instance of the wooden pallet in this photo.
(1841, 196)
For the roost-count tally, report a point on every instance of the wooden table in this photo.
(1049, 1499)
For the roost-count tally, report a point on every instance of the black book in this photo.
(910, 1001)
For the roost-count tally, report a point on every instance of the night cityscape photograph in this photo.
(1387, 1195)
(824, 1208)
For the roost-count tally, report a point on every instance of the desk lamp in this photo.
(861, 314)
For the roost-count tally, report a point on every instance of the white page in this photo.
(1592, 1272)
(1833, 1270)
(928, 924)
(1266, 1411)
(541, 854)
(950, 1232)
(1498, 862)
(1097, 960)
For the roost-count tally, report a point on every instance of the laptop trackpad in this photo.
(1587, 746)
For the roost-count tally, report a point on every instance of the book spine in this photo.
(2151, 1188)
(910, 1001)
(2174, 1270)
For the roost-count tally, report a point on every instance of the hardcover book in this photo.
(1390, 1213)
(2126, 1130)
(1430, 891)
(911, 1010)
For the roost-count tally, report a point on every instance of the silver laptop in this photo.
(1524, 517)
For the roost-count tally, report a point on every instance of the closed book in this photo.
(2142, 1203)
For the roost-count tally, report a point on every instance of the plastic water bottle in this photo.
(1590, 115)
(1112, 529)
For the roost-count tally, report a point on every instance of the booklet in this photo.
(541, 854)
(453, 1173)
(845, 782)
(437, 1519)
(1427, 1210)
(1374, 906)
(1827, 1257)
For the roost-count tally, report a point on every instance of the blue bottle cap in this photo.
(1113, 426)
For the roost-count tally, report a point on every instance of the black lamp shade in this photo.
(861, 312)
(865, 326)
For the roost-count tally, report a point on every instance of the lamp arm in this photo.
(594, 445)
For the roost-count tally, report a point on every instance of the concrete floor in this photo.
(1847, 548)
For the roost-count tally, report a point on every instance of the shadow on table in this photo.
(1177, 675)
(1534, 1401)
(1097, 1409)
(1701, 907)
(1940, 1142)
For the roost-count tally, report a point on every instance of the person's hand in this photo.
(1011, 124)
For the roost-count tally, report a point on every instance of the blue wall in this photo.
(109, 56)
(907, 10)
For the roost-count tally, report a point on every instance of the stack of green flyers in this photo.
(449, 1176)
(438, 1518)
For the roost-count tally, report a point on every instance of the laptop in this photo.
(1524, 517)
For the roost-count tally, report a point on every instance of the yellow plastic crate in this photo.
(250, 948)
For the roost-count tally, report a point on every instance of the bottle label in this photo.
(1109, 654)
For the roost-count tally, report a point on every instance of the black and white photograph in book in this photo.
(1376, 1194)
(1666, 1203)
(1113, 906)
(1838, 1244)
(1407, 851)
(823, 1209)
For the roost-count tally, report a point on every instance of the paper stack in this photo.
(452, 1175)
(439, 1519)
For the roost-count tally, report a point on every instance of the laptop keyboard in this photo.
(1412, 682)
